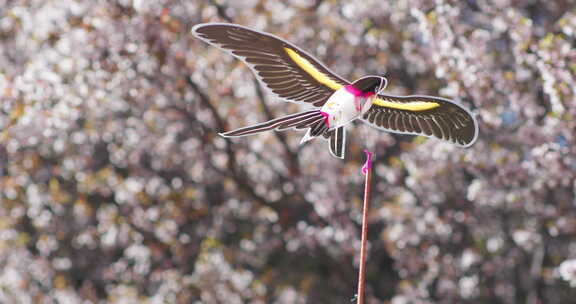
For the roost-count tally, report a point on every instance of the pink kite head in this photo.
(367, 86)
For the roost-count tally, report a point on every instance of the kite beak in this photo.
(383, 84)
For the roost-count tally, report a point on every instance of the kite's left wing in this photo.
(423, 115)
(287, 70)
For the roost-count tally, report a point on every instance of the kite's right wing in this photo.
(423, 115)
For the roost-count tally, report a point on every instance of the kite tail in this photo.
(313, 119)
(337, 141)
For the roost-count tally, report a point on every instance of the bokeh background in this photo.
(116, 188)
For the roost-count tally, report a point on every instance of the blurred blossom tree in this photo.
(115, 186)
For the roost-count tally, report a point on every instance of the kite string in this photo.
(367, 171)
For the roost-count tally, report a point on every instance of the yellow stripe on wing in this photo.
(409, 106)
(312, 70)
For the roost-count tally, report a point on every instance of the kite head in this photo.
(370, 85)
(365, 90)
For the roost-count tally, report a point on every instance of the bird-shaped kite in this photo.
(294, 75)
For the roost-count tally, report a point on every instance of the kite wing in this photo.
(286, 70)
(423, 115)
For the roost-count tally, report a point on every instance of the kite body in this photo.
(294, 75)
(347, 104)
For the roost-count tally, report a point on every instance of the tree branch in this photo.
(292, 156)
(221, 9)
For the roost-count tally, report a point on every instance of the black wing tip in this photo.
(469, 142)
(463, 140)
(233, 133)
(196, 30)
(199, 30)
(198, 26)
(226, 134)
